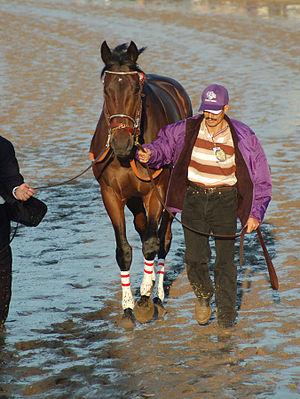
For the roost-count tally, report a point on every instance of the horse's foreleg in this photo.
(147, 282)
(144, 309)
(136, 206)
(115, 209)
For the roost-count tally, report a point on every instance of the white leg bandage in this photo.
(147, 284)
(161, 274)
(127, 298)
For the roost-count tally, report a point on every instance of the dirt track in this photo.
(61, 340)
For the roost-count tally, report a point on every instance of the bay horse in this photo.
(135, 107)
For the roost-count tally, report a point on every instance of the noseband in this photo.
(136, 119)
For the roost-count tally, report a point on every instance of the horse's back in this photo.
(166, 87)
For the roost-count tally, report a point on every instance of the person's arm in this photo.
(262, 185)
(10, 176)
(164, 149)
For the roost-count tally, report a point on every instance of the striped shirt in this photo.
(204, 167)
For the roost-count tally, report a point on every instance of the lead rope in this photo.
(100, 157)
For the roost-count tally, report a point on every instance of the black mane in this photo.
(120, 58)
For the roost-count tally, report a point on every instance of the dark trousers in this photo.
(5, 265)
(214, 212)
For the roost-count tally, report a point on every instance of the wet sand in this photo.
(61, 338)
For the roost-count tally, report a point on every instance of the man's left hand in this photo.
(24, 192)
(251, 225)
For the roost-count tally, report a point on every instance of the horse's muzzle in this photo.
(122, 143)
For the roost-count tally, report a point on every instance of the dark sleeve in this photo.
(10, 176)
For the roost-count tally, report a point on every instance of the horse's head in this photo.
(123, 84)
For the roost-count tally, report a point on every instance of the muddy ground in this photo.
(61, 338)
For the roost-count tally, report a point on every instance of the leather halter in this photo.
(136, 119)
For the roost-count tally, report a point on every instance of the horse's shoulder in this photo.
(169, 91)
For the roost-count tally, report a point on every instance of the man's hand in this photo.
(24, 192)
(144, 155)
(251, 225)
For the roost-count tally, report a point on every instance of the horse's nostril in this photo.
(122, 145)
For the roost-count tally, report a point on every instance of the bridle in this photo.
(134, 130)
(136, 119)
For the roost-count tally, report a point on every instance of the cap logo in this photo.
(211, 97)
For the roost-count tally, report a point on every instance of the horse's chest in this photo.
(124, 182)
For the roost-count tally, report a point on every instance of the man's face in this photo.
(213, 120)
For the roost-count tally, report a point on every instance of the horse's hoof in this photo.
(160, 309)
(127, 321)
(144, 309)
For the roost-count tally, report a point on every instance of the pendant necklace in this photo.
(219, 153)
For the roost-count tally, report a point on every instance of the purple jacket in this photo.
(174, 146)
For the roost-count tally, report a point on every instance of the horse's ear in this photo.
(133, 52)
(105, 53)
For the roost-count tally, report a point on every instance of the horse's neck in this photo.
(153, 113)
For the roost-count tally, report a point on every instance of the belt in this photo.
(210, 190)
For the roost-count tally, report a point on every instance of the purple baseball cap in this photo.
(213, 98)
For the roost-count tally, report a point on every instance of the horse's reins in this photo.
(99, 158)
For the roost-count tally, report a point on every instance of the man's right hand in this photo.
(24, 192)
(144, 155)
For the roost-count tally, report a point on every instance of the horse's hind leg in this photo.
(165, 238)
(144, 310)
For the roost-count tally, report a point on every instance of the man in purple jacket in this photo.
(220, 173)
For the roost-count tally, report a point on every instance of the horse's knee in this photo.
(124, 257)
(150, 247)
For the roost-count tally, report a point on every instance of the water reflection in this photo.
(262, 8)
(266, 9)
